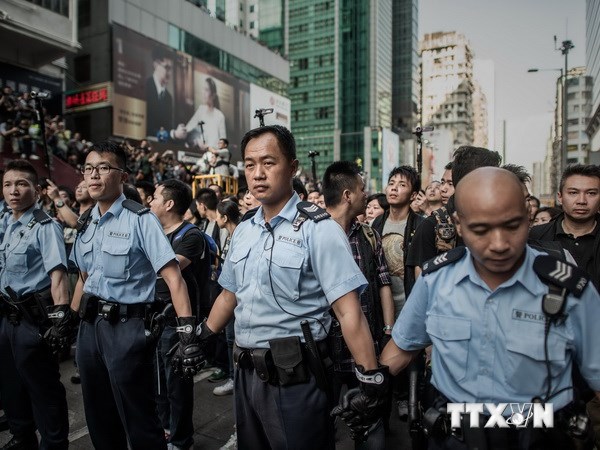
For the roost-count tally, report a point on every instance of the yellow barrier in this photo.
(228, 183)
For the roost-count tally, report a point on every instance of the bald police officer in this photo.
(288, 264)
(119, 253)
(34, 304)
(506, 322)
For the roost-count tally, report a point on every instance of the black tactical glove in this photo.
(189, 358)
(60, 335)
(362, 407)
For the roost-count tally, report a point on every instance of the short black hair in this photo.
(179, 192)
(285, 139)
(551, 210)
(160, 53)
(468, 158)
(229, 209)
(113, 147)
(22, 165)
(68, 191)
(535, 199)
(411, 175)
(338, 177)
(145, 186)
(131, 193)
(449, 166)
(208, 197)
(586, 170)
(298, 186)
(381, 199)
(520, 172)
(226, 141)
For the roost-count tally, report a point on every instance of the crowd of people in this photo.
(300, 298)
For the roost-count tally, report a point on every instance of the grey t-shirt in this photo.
(392, 241)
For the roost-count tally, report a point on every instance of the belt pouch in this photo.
(289, 362)
(109, 312)
(88, 308)
(263, 364)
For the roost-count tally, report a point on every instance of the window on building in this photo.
(251, 8)
(305, 97)
(303, 63)
(252, 25)
(84, 15)
(82, 68)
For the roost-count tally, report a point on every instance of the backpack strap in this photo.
(135, 207)
(369, 234)
(83, 221)
(188, 226)
(450, 257)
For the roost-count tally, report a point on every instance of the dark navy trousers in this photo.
(31, 387)
(175, 401)
(117, 374)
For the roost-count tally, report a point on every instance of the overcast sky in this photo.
(516, 35)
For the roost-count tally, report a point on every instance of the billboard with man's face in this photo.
(170, 96)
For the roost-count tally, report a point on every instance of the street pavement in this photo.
(213, 418)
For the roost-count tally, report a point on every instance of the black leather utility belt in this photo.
(29, 307)
(285, 363)
(92, 307)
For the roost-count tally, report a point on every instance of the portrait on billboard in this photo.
(159, 101)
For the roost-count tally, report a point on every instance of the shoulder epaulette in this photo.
(135, 207)
(41, 216)
(444, 259)
(565, 275)
(308, 210)
(312, 211)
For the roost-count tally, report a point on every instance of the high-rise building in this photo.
(579, 108)
(480, 116)
(405, 65)
(592, 62)
(447, 84)
(484, 76)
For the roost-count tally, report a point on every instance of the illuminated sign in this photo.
(91, 97)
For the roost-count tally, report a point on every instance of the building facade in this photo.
(447, 85)
(592, 62)
(579, 109)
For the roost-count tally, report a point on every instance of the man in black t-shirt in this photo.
(175, 398)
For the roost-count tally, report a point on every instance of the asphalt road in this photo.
(213, 418)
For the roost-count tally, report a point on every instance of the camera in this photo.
(40, 95)
(313, 153)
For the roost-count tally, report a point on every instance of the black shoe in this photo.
(28, 442)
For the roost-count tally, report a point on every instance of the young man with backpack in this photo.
(345, 199)
(175, 399)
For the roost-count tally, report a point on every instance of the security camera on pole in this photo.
(38, 97)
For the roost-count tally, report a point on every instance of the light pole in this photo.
(558, 156)
(564, 49)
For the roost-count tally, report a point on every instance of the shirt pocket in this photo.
(16, 262)
(115, 258)
(525, 363)
(239, 258)
(285, 268)
(451, 337)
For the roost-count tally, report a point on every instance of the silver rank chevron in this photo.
(562, 272)
(440, 259)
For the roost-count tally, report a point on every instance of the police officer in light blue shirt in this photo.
(485, 311)
(119, 251)
(289, 263)
(33, 313)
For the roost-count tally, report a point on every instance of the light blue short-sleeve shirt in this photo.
(489, 346)
(29, 252)
(309, 270)
(122, 252)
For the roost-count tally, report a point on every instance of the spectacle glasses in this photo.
(103, 169)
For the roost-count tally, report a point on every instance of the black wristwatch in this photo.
(59, 204)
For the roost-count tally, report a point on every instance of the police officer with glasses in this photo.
(119, 252)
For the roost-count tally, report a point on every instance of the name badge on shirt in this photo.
(118, 234)
(290, 240)
(527, 316)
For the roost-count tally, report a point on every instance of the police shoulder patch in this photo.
(41, 216)
(444, 259)
(312, 211)
(135, 207)
(565, 275)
